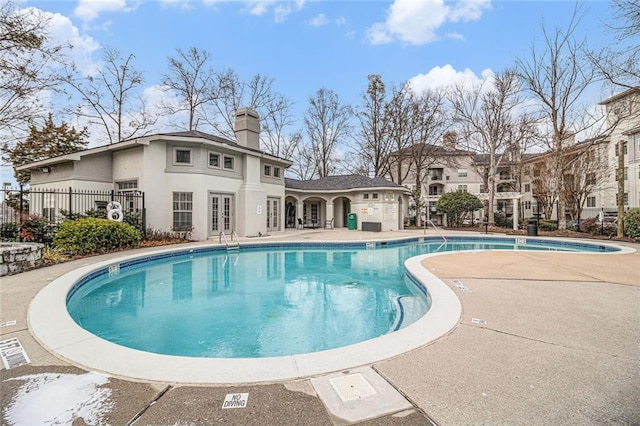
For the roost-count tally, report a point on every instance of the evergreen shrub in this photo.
(632, 224)
(92, 235)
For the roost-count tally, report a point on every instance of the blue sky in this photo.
(305, 45)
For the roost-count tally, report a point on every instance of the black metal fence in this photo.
(23, 208)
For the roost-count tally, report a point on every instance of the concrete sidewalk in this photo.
(544, 338)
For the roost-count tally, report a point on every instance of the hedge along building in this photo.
(193, 182)
(202, 185)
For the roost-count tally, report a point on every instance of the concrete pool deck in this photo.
(544, 338)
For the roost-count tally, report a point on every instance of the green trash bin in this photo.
(352, 221)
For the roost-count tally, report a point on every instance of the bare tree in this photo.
(401, 129)
(193, 81)
(545, 185)
(557, 75)
(525, 137)
(619, 63)
(26, 59)
(111, 98)
(327, 124)
(585, 174)
(486, 117)
(274, 138)
(303, 167)
(372, 146)
(232, 93)
(430, 121)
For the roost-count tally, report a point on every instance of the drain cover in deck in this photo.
(351, 387)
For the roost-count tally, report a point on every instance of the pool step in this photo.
(408, 310)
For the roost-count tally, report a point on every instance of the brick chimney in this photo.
(248, 128)
(450, 140)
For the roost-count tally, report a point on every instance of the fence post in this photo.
(21, 202)
(144, 219)
(70, 203)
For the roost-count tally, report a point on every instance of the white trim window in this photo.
(128, 188)
(267, 170)
(462, 188)
(228, 162)
(127, 185)
(276, 172)
(182, 156)
(462, 173)
(214, 160)
(182, 211)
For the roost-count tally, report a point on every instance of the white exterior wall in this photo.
(251, 201)
(127, 165)
(627, 130)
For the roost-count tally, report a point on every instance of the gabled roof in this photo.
(484, 158)
(194, 135)
(431, 149)
(199, 134)
(620, 95)
(341, 183)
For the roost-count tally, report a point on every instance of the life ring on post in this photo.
(115, 215)
(114, 205)
(115, 211)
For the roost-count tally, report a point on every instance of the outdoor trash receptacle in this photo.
(532, 229)
(352, 221)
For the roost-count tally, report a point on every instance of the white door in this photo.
(273, 212)
(221, 213)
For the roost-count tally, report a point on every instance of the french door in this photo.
(273, 214)
(221, 213)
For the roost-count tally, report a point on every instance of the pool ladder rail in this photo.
(234, 244)
(430, 222)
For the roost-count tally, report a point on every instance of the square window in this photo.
(267, 170)
(228, 162)
(374, 196)
(462, 172)
(214, 160)
(365, 196)
(182, 156)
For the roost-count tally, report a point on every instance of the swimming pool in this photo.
(379, 257)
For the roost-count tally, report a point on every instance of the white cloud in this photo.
(62, 31)
(281, 12)
(417, 21)
(319, 20)
(447, 76)
(378, 34)
(469, 10)
(455, 36)
(183, 4)
(89, 10)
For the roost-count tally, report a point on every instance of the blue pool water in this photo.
(265, 300)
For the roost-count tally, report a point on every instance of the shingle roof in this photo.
(199, 134)
(338, 183)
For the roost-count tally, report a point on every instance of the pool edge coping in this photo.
(53, 328)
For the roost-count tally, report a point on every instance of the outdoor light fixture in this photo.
(45, 170)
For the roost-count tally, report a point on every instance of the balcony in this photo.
(435, 177)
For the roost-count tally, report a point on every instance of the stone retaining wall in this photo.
(19, 257)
